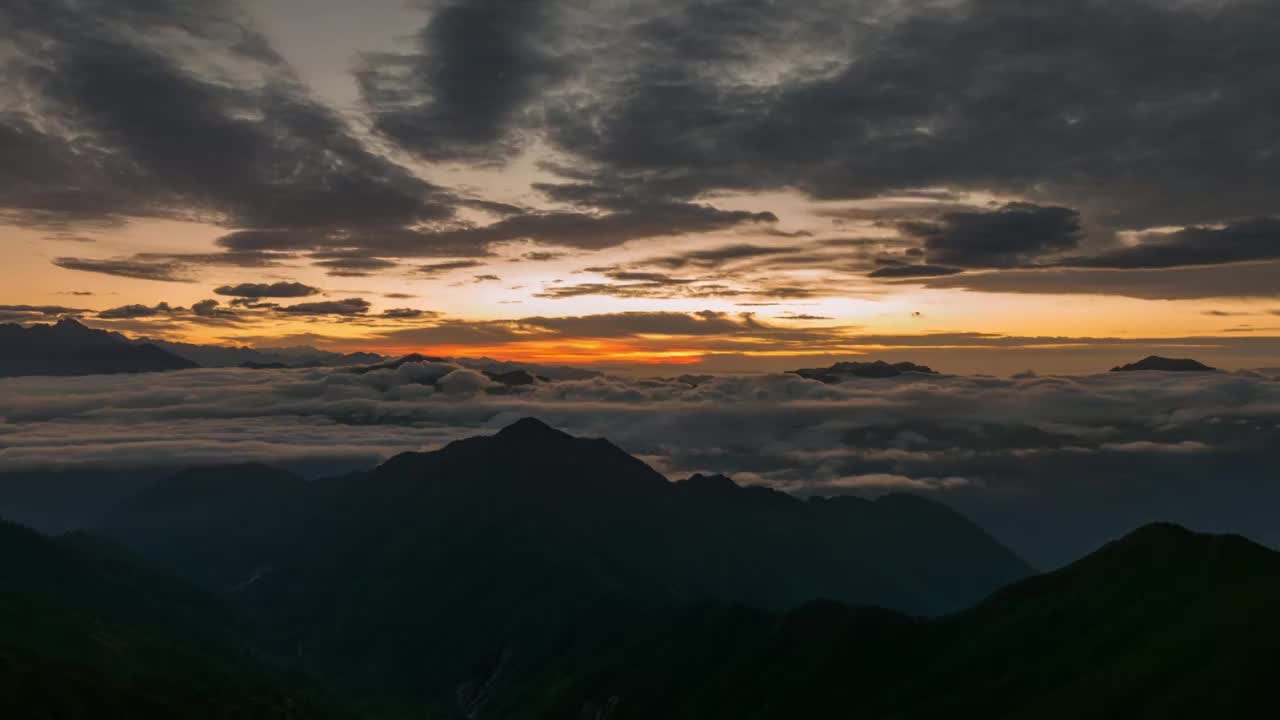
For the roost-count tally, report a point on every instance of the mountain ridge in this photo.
(583, 533)
(70, 348)
(1164, 364)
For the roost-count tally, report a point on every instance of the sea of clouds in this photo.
(1152, 444)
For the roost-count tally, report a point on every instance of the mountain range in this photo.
(69, 348)
(277, 357)
(1161, 623)
(576, 529)
(532, 574)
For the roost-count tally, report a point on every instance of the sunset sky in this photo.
(985, 185)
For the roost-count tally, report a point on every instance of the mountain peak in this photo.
(532, 428)
(1155, 362)
(710, 482)
(70, 323)
(1165, 545)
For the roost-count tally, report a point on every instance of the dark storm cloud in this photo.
(165, 271)
(173, 108)
(595, 231)
(1014, 235)
(460, 92)
(1043, 100)
(1242, 280)
(1253, 239)
(120, 121)
(350, 306)
(584, 230)
(268, 290)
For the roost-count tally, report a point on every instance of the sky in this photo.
(980, 185)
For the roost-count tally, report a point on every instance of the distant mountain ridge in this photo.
(508, 373)
(70, 348)
(842, 371)
(261, 358)
(1163, 364)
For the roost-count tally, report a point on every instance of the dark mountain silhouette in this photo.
(202, 522)
(501, 374)
(845, 370)
(1163, 364)
(69, 348)
(514, 378)
(1163, 623)
(405, 576)
(395, 363)
(300, 356)
(59, 501)
(87, 632)
(416, 606)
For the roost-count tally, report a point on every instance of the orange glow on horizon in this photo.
(578, 352)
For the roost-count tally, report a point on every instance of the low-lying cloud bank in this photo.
(1080, 449)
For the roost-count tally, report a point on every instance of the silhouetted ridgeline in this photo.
(842, 371)
(1163, 364)
(532, 574)
(69, 348)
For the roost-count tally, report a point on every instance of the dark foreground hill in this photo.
(1164, 623)
(87, 632)
(204, 523)
(69, 348)
(532, 574)
(412, 575)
